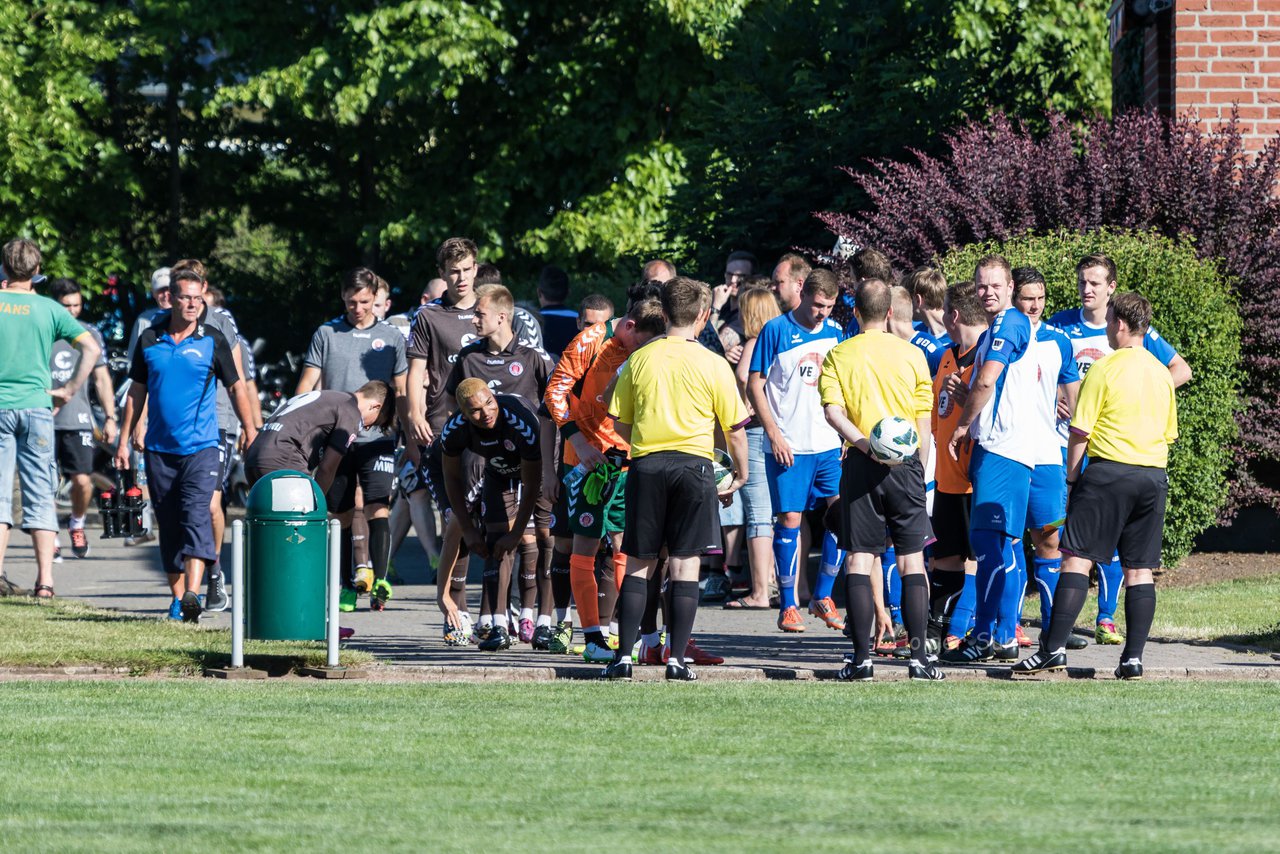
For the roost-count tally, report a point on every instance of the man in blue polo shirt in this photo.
(175, 370)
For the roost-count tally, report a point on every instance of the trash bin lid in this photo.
(286, 495)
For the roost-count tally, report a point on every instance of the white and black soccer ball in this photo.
(721, 468)
(893, 440)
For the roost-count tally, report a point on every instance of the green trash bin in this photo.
(286, 558)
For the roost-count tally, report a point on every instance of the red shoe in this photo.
(886, 645)
(790, 620)
(1023, 640)
(344, 632)
(825, 609)
(652, 656)
(79, 543)
(694, 654)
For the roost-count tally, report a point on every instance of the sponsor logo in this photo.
(515, 369)
(384, 464)
(361, 335)
(495, 361)
(488, 442)
(468, 338)
(272, 427)
(190, 351)
(378, 343)
(63, 361)
(997, 345)
(945, 404)
(809, 368)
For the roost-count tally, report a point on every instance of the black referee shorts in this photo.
(74, 450)
(873, 496)
(951, 525)
(671, 503)
(1117, 506)
(371, 466)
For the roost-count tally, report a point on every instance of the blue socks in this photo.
(996, 618)
(1110, 576)
(892, 584)
(1047, 571)
(832, 560)
(786, 556)
(962, 614)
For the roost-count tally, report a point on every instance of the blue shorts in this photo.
(1001, 491)
(1048, 502)
(811, 479)
(182, 488)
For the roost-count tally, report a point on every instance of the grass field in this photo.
(172, 765)
(64, 632)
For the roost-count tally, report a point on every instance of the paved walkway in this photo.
(408, 634)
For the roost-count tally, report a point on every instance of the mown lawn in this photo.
(159, 765)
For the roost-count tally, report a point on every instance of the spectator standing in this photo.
(559, 322)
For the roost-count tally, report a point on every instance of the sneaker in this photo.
(790, 620)
(595, 653)
(216, 599)
(345, 632)
(542, 638)
(526, 631)
(1075, 641)
(57, 553)
(455, 637)
(851, 672)
(612, 642)
(561, 638)
(190, 607)
(652, 656)
(619, 670)
(825, 609)
(717, 588)
(680, 673)
(1005, 654)
(480, 634)
(363, 579)
(1105, 633)
(346, 600)
(926, 672)
(697, 655)
(498, 639)
(1130, 669)
(969, 652)
(381, 593)
(79, 542)
(175, 609)
(886, 645)
(1040, 662)
(1021, 636)
(140, 540)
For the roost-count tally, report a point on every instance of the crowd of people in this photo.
(622, 470)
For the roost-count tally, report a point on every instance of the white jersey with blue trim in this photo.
(1001, 427)
(1056, 366)
(789, 357)
(1089, 341)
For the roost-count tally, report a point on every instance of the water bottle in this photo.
(132, 507)
(575, 476)
(107, 501)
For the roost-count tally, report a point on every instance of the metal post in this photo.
(332, 583)
(237, 593)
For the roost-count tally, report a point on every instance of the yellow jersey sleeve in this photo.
(730, 410)
(922, 399)
(622, 404)
(829, 385)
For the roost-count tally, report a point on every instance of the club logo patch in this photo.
(997, 345)
(509, 445)
(516, 369)
(586, 520)
(378, 343)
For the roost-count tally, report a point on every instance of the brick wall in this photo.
(1227, 52)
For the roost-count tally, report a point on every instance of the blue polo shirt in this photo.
(181, 381)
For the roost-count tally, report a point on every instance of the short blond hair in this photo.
(468, 389)
(497, 296)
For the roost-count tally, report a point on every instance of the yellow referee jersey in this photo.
(1127, 409)
(874, 375)
(672, 392)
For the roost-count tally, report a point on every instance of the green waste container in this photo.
(286, 558)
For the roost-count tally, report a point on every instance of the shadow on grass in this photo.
(1268, 638)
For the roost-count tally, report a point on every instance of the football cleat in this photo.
(595, 653)
(1040, 662)
(697, 655)
(825, 609)
(562, 638)
(363, 579)
(680, 673)
(1021, 637)
(790, 620)
(851, 672)
(969, 652)
(526, 631)
(926, 672)
(1105, 633)
(498, 639)
(1075, 641)
(541, 638)
(1130, 670)
(617, 670)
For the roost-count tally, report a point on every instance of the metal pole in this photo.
(237, 593)
(335, 548)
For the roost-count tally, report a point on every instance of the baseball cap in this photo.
(160, 279)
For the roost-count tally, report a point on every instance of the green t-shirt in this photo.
(29, 324)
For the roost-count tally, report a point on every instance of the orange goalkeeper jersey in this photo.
(575, 394)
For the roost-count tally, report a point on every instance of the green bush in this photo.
(1195, 310)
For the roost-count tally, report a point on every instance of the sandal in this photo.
(8, 588)
(42, 591)
(739, 605)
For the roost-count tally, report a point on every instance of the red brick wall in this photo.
(1227, 52)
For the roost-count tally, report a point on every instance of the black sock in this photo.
(1068, 600)
(944, 590)
(345, 566)
(561, 589)
(546, 596)
(861, 607)
(1139, 611)
(915, 613)
(649, 622)
(630, 608)
(528, 574)
(684, 607)
(380, 545)
(596, 637)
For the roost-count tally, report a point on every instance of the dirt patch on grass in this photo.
(1208, 567)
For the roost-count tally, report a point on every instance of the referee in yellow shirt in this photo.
(1126, 418)
(865, 379)
(670, 396)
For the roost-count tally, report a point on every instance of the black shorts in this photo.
(671, 503)
(74, 450)
(500, 499)
(951, 525)
(472, 481)
(559, 522)
(874, 496)
(226, 456)
(1116, 506)
(371, 466)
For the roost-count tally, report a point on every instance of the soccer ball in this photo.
(893, 440)
(721, 468)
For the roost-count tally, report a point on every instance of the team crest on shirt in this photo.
(378, 344)
(945, 404)
(997, 345)
(586, 520)
(809, 367)
(509, 445)
(515, 369)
